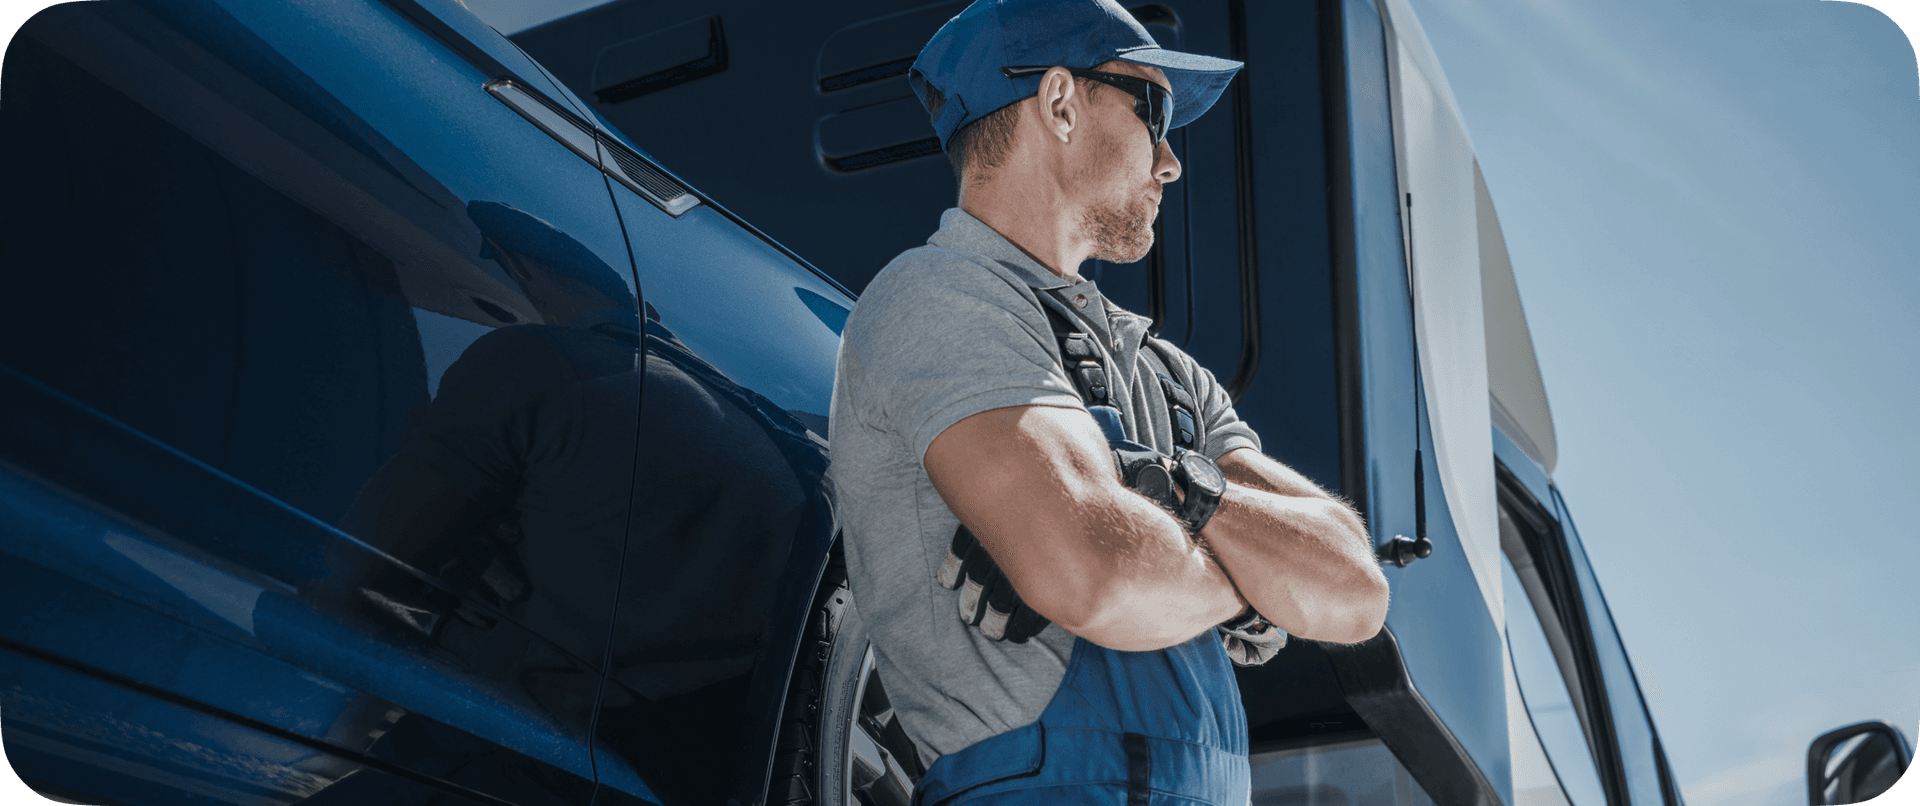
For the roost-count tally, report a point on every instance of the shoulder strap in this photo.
(1080, 357)
(1183, 410)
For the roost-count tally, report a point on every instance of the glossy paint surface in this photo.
(355, 361)
(806, 86)
(731, 521)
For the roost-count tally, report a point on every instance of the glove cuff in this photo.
(1247, 618)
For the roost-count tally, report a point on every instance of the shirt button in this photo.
(1079, 300)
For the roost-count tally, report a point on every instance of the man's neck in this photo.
(1036, 223)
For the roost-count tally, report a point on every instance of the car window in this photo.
(1535, 783)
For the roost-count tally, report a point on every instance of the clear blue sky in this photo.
(1713, 210)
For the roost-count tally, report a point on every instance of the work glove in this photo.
(987, 598)
(1251, 639)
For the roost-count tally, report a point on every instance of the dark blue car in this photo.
(379, 429)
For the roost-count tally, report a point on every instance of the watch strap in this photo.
(1142, 470)
(1201, 500)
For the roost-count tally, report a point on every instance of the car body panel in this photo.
(294, 256)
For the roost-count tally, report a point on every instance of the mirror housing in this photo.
(1855, 763)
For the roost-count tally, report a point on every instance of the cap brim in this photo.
(1196, 80)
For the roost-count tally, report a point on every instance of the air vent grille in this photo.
(649, 181)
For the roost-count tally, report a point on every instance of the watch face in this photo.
(1154, 483)
(1203, 473)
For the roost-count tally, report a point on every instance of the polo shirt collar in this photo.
(961, 232)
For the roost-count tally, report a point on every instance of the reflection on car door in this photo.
(732, 521)
(328, 362)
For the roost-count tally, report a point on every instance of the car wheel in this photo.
(840, 743)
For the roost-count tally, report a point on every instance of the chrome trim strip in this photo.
(535, 108)
(621, 163)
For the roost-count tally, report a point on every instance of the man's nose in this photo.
(1166, 167)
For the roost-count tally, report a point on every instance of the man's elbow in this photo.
(1355, 614)
(1076, 600)
(1117, 617)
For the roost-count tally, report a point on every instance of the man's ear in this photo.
(1059, 106)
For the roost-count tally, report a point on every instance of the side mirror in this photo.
(1855, 763)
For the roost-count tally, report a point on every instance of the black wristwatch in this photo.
(1143, 470)
(1197, 477)
(1203, 484)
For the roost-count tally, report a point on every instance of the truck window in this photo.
(1632, 728)
(1549, 697)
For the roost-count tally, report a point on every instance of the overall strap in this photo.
(1080, 357)
(1183, 410)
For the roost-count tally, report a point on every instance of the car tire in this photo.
(840, 742)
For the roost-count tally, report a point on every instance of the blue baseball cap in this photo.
(964, 58)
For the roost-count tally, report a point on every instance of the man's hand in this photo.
(1251, 640)
(987, 597)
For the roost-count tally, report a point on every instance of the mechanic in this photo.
(1010, 448)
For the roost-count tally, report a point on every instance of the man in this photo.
(968, 454)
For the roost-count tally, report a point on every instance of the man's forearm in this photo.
(1160, 590)
(1303, 561)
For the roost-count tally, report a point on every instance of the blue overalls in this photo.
(1133, 728)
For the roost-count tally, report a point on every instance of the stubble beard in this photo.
(1121, 233)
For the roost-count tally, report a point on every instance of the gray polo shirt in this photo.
(944, 332)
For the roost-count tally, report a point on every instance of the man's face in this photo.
(1125, 171)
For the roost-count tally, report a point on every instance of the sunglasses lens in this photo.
(1162, 104)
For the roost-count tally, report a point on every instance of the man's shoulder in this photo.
(929, 286)
(933, 269)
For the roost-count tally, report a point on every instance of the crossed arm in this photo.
(1037, 486)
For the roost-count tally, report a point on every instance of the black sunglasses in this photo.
(1152, 102)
